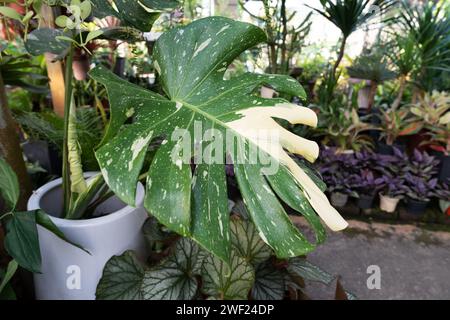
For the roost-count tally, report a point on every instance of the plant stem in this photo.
(68, 75)
(340, 56)
(399, 97)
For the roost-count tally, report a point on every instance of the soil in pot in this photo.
(365, 201)
(338, 199)
(415, 206)
(388, 204)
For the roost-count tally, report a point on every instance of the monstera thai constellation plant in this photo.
(189, 196)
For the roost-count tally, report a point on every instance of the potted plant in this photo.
(391, 192)
(394, 124)
(372, 67)
(343, 129)
(80, 204)
(366, 186)
(179, 193)
(21, 240)
(419, 192)
(184, 191)
(432, 113)
(336, 175)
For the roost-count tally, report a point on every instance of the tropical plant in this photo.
(76, 33)
(185, 271)
(395, 123)
(422, 165)
(191, 62)
(366, 182)
(403, 52)
(371, 65)
(343, 129)
(428, 24)
(15, 70)
(284, 40)
(392, 186)
(21, 240)
(420, 189)
(349, 15)
(432, 112)
(336, 170)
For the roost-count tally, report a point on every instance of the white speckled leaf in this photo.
(191, 62)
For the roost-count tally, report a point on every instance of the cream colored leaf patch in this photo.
(254, 120)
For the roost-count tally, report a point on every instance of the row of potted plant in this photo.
(365, 174)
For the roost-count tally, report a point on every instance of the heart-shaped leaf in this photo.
(191, 62)
(247, 243)
(229, 283)
(269, 282)
(308, 271)
(122, 279)
(174, 279)
(131, 13)
(6, 276)
(45, 40)
(22, 242)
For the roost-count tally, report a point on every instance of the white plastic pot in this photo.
(69, 273)
(388, 204)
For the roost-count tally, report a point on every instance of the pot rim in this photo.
(388, 197)
(34, 204)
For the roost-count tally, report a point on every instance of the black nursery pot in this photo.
(385, 149)
(444, 173)
(45, 154)
(416, 206)
(365, 201)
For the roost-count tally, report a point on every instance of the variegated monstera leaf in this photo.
(191, 62)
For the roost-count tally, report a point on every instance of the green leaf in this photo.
(45, 40)
(122, 279)
(162, 5)
(247, 243)
(6, 277)
(153, 232)
(229, 283)
(269, 282)
(86, 9)
(64, 21)
(191, 62)
(174, 278)
(10, 13)
(44, 221)
(302, 268)
(9, 186)
(21, 241)
(127, 34)
(131, 13)
(92, 35)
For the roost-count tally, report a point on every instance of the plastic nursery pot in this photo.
(69, 273)
(444, 172)
(388, 204)
(416, 206)
(338, 199)
(365, 201)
